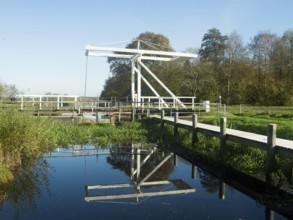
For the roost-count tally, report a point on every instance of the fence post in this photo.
(133, 114)
(119, 115)
(194, 129)
(175, 123)
(21, 103)
(223, 130)
(271, 143)
(148, 112)
(162, 118)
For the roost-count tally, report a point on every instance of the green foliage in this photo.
(213, 46)
(258, 73)
(5, 176)
(23, 136)
(66, 134)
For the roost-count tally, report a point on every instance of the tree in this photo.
(200, 80)
(287, 40)
(261, 48)
(8, 91)
(235, 57)
(119, 82)
(2, 90)
(213, 46)
(213, 51)
(11, 91)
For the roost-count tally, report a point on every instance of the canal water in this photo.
(123, 182)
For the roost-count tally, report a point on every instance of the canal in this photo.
(123, 182)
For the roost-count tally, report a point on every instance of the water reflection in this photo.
(148, 170)
(142, 175)
(26, 189)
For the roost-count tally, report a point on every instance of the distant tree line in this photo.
(258, 73)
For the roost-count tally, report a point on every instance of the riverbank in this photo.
(25, 137)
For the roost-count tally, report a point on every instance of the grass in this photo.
(256, 122)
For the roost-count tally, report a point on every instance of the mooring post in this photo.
(175, 160)
(162, 118)
(193, 171)
(223, 130)
(194, 129)
(222, 190)
(271, 143)
(270, 214)
(175, 123)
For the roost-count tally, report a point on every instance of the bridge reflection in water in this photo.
(140, 184)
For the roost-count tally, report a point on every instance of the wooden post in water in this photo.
(194, 129)
(175, 159)
(271, 143)
(223, 130)
(175, 123)
(270, 214)
(222, 190)
(193, 171)
(162, 118)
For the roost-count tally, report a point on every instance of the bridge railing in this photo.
(79, 104)
(167, 102)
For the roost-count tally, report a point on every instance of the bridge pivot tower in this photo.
(137, 56)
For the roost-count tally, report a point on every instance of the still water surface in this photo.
(124, 182)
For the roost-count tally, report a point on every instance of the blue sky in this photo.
(42, 41)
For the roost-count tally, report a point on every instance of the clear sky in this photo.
(42, 41)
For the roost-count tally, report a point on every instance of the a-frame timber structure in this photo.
(136, 57)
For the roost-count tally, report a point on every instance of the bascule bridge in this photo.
(137, 58)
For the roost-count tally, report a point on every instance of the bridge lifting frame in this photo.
(136, 56)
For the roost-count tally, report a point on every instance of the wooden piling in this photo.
(162, 118)
(175, 160)
(222, 190)
(194, 129)
(193, 171)
(223, 131)
(271, 143)
(175, 123)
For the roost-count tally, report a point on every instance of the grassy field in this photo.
(254, 119)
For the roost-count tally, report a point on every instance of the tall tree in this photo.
(261, 48)
(213, 46)
(213, 51)
(235, 57)
(287, 39)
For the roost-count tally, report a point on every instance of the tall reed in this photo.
(22, 136)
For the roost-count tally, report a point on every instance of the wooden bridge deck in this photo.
(282, 145)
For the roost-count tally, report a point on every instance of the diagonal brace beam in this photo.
(161, 83)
